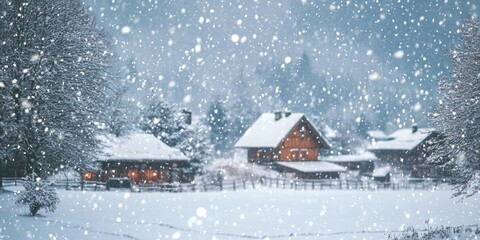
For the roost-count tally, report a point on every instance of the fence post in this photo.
(244, 187)
(253, 184)
(313, 185)
(277, 182)
(234, 185)
(204, 187)
(340, 184)
(82, 183)
(305, 185)
(283, 183)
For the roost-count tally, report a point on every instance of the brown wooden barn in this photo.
(142, 158)
(407, 150)
(280, 137)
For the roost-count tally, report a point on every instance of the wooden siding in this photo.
(262, 155)
(301, 144)
(147, 171)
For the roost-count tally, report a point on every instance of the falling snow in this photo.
(196, 76)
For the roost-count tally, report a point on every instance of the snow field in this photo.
(256, 213)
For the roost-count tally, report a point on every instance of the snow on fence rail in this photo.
(265, 182)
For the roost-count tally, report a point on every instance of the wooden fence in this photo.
(264, 182)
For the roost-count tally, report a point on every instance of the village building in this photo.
(289, 143)
(142, 158)
(407, 150)
(378, 135)
(362, 162)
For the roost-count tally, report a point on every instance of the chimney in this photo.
(187, 116)
(278, 115)
(288, 113)
(414, 128)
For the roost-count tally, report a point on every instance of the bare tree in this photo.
(457, 116)
(54, 66)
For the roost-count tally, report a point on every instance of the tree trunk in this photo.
(1, 178)
(34, 209)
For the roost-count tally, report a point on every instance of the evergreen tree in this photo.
(161, 119)
(38, 194)
(196, 145)
(54, 65)
(243, 111)
(219, 127)
(457, 116)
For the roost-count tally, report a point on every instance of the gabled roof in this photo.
(266, 132)
(312, 166)
(378, 135)
(403, 139)
(139, 146)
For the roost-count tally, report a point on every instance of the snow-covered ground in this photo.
(246, 214)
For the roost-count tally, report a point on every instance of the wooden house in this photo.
(142, 158)
(407, 150)
(363, 162)
(282, 137)
(277, 138)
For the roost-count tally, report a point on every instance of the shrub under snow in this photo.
(232, 169)
(460, 232)
(38, 194)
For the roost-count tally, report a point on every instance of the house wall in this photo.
(145, 172)
(300, 145)
(262, 155)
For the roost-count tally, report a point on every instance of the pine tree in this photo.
(38, 194)
(196, 145)
(219, 127)
(161, 119)
(54, 65)
(457, 116)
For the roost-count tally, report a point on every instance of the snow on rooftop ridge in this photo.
(403, 139)
(313, 166)
(139, 146)
(268, 132)
(378, 135)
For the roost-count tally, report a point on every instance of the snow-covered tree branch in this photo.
(54, 76)
(457, 116)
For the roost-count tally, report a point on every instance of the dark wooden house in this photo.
(276, 138)
(407, 150)
(282, 136)
(142, 158)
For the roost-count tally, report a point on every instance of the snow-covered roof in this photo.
(268, 132)
(362, 157)
(378, 135)
(403, 139)
(381, 172)
(312, 166)
(139, 146)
